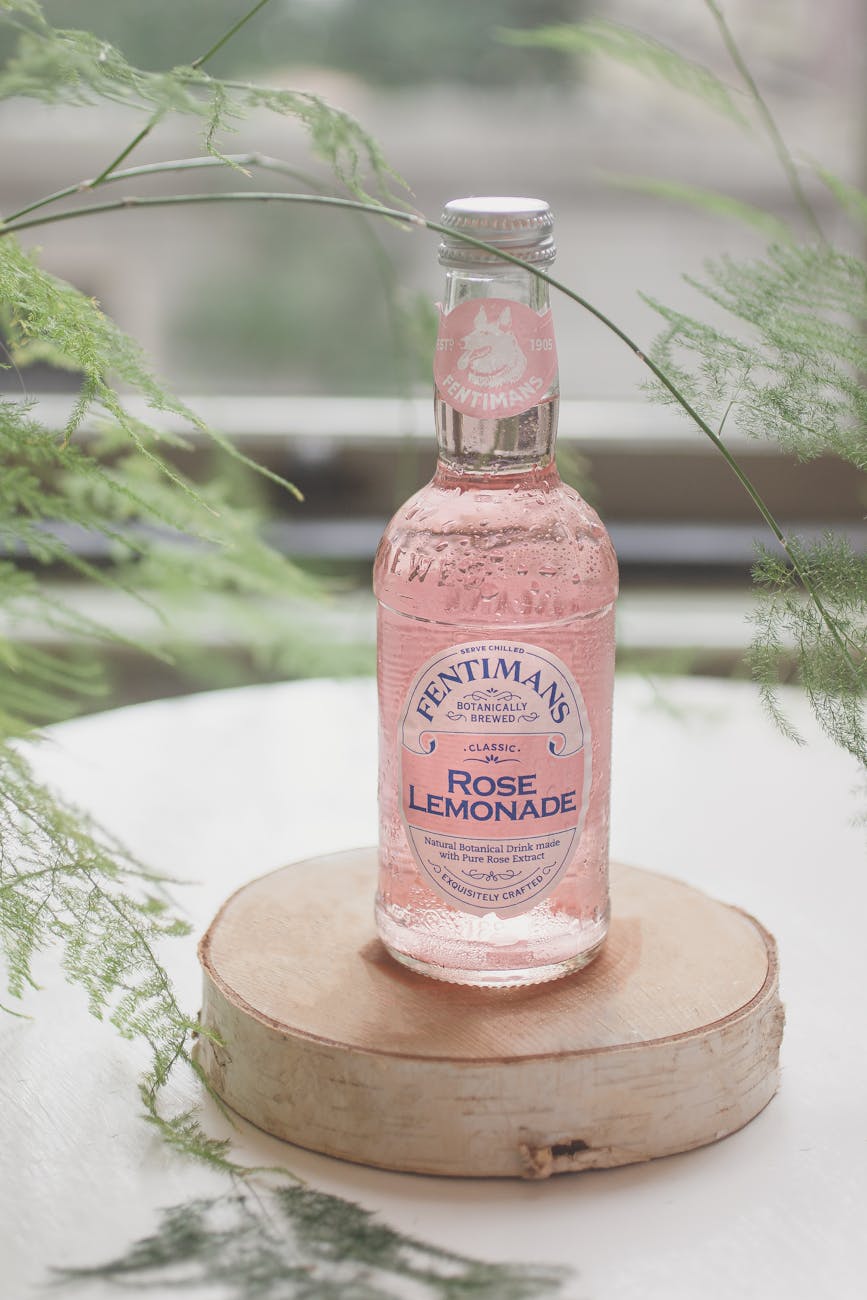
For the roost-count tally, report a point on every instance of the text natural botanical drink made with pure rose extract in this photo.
(496, 586)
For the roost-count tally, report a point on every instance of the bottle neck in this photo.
(495, 358)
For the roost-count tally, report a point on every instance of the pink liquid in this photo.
(502, 549)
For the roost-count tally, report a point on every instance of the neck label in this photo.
(495, 771)
(494, 357)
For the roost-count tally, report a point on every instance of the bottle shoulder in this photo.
(537, 508)
(530, 548)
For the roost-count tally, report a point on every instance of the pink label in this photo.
(495, 773)
(494, 357)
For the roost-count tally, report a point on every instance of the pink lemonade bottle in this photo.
(496, 586)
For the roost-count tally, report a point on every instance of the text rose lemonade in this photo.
(496, 586)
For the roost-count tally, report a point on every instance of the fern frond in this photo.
(851, 199)
(16, 10)
(792, 358)
(42, 307)
(65, 884)
(835, 682)
(307, 1245)
(164, 535)
(59, 66)
(712, 202)
(642, 53)
(184, 1133)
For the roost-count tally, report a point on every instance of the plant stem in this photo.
(152, 122)
(227, 36)
(420, 222)
(242, 160)
(115, 162)
(780, 147)
(172, 165)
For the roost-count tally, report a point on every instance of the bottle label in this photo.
(495, 773)
(494, 357)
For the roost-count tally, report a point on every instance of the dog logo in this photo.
(491, 354)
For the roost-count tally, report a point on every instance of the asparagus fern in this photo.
(787, 365)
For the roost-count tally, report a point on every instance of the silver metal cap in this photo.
(522, 227)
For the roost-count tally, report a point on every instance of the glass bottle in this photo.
(496, 586)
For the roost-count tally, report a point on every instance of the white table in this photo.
(221, 787)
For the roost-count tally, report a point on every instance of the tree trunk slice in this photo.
(668, 1041)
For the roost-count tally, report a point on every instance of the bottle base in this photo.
(493, 978)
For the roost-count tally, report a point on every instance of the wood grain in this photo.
(668, 1041)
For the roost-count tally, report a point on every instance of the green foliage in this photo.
(167, 536)
(59, 66)
(309, 1247)
(276, 312)
(851, 200)
(403, 43)
(49, 319)
(170, 542)
(414, 42)
(64, 882)
(781, 354)
(832, 670)
(641, 53)
(786, 364)
(711, 202)
(790, 365)
(115, 473)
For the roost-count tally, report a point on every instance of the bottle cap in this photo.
(522, 227)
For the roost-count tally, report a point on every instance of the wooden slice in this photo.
(668, 1041)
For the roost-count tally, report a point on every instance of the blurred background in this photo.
(306, 335)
